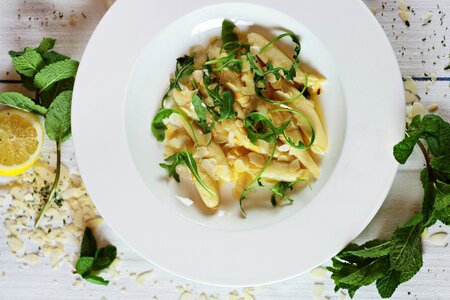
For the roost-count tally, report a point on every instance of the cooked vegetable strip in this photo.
(244, 116)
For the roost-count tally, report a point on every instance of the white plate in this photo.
(124, 72)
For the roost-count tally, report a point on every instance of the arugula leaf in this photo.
(54, 73)
(280, 189)
(184, 67)
(201, 111)
(84, 264)
(57, 121)
(291, 73)
(159, 128)
(19, 101)
(104, 257)
(223, 101)
(259, 127)
(300, 145)
(387, 284)
(229, 61)
(29, 63)
(183, 158)
(229, 36)
(88, 244)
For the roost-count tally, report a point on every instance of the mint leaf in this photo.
(96, 279)
(84, 264)
(441, 166)
(364, 273)
(104, 257)
(57, 121)
(229, 36)
(406, 252)
(47, 96)
(442, 200)
(55, 72)
(19, 101)
(371, 249)
(28, 63)
(387, 284)
(88, 244)
(183, 158)
(51, 57)
(429, 196)
(46, 44)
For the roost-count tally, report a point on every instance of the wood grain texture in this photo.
(24, 23)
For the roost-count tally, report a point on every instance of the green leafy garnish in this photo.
(19, 101)
(223, 101)
(93, 260)
(290, 74)
(159, 128)
(259, 127)
(183, 68)
(300, 145)
(58, 129)
(51, 75)
(201, 111)
(29, 63)
(183, 158)
(54, 73)
(280, 190)
(392, 262)
(229, 37)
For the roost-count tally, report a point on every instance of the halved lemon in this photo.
(21, 139)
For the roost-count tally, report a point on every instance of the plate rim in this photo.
(80, 138)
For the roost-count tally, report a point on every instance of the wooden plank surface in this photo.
(420, 50)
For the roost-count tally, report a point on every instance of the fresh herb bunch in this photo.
(392, 262)
(258, 126)
(50, 75)
(93, 260)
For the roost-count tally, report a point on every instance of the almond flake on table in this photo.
(438, 239)
(410, 90)
(318, 289)
(404, 15)
(144, 278)
(433, 107)
(427, 17)
(402, 5)
(318, 273)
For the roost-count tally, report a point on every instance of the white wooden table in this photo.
(421, 51)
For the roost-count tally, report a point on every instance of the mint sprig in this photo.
(93, 260)
(392, 262)
(50, 75)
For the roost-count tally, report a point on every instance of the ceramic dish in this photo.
(123, 74)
